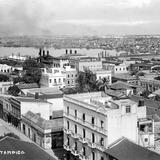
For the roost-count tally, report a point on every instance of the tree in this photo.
(103, 84)
(3, 78)
(86, 81)
(32, 71)
(13, 90)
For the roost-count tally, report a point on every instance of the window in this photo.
(67, 110)
(128, 109)
(29, 132)
(55, 81)
(68, 141)
(67, 124)
(102, 124)
(68, 75)
(84, 133)
(84, 151)
(83, 117)
(75, 146)
(64, 79)
(102, 158)
(146, 139)
(93, 121)
(93, 138)
(75, 128)
(102, 142)
(59, 80)
(50, 80)
(93, 156)
(75, 113)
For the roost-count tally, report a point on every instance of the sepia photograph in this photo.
(79, 79)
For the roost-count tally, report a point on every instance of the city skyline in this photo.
(80, 17)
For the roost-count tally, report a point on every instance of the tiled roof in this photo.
(30, 150)
(42, 123)
(114, 93)
(30, 99)
(120, 85)
(127, 150)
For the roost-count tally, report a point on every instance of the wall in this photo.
(36, 107)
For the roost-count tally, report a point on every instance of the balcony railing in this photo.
(74, 152)
(67, 131)
(84, 140)
(86, 123)
(75, 135)
(100, 148)
(83, 157)
(67, 147)
(92, 145)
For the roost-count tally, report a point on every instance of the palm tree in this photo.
(103, 84)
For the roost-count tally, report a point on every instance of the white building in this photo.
(93, 121)
(5, 68)
(4, 86)
(61, 77)
(100, 74)
(117, 69)
(52, 77)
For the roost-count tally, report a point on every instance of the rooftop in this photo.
(97, 100)
(127, 150)
(31, 151)
(55, 124)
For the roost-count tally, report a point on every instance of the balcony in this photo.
(74, 152)
(83, 140)
(100, 148)
(75, 135)
(92, 145)
(83, 157)
(66, 147)
(66, 131)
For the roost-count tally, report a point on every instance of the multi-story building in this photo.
(52, 77)
(90, 63)
(10, 111)
(93, 121)
(71, 77)
(100, 74)
(117, 69)
(46, 133)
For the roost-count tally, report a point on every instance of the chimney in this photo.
(40, 52)
(36, 95)
(66, 51)
(47, 53)
(70, 51)
(43, 53)
(141, 103)
(75, 52)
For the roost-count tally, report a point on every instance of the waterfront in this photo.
(7, 51)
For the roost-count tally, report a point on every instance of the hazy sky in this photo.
(79, 17)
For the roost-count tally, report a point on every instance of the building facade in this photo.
(93, 121)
